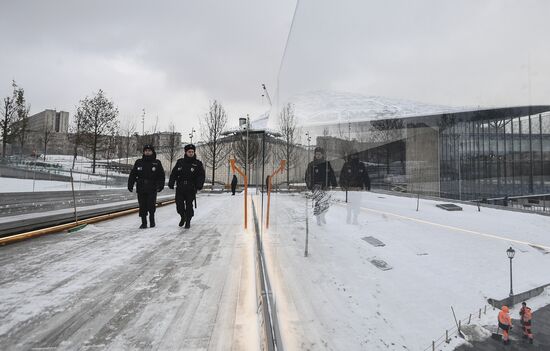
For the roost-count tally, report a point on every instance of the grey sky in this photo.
(172, 57)
(169, 57)
(460, 53)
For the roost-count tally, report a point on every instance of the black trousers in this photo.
(184, 203)
(147, 202)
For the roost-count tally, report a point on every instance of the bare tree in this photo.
(47, 136)
(128, 129)
(239, 146)
(152, 135)
(291, 138)
(173, 147)
(99, 117)
(7, 123)
(22, 121)
(388, 131)
(76, 130)
(213, 124)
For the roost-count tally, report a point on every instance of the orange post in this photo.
(234, 168)
(280, 169)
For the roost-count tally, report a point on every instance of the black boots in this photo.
(188, 223)
(182, 221)
(143, 222)
(152, 220)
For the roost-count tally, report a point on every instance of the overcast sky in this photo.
(172, 57)
(458, 53)
(169, 57)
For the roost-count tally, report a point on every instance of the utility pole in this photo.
(307, 204)
(247, 128)
(191, 134)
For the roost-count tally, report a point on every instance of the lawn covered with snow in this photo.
(336, 299)
(12, 185)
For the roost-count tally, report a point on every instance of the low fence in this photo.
(456, 330)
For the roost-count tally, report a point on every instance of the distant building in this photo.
(49, 120)
(47, 130)
(466, 155)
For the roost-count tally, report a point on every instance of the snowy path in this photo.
(335, 299)
(112, 286)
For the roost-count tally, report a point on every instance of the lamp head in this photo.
(510, 252)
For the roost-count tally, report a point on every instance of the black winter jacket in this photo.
(188, 174)
(354, 176)
(319, 172)
(148, 174)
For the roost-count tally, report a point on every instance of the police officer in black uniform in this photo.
(354, 176)
(188, 176)
(319, 177)
(149, 176)
(354, 179)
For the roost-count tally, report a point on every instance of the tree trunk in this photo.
(94, 153)
(45, 146)
(387, 159)
(214, 164)
(4, 135)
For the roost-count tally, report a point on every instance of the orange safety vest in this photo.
(504, 318)
(526, 315)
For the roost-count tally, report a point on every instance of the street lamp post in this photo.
(191, 134)
(247, 130)
(245, 123)
(307, 204)
(511, 252)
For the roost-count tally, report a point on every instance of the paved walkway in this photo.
(112, 286)
(541, 332)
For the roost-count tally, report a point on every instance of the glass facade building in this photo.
(473, 155)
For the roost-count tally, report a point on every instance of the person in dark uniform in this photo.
(149, 176)
(234, 182)
(320, 176)
(354, 179)
(188, 176)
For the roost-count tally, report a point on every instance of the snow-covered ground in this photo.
(62, 164)
(12, 185)
(115, 287)
(82, 176)
(112, 286)
(336, 299)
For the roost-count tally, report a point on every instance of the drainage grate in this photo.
(381, 264)
(449, 207)
(373, 241)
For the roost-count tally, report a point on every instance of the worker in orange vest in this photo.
(505, 323)
(526, 315)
